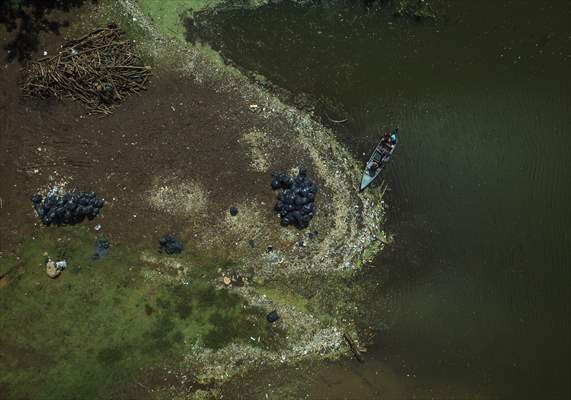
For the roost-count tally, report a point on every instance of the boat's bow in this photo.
(366, 180)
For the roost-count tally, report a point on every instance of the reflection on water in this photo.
(474, 300)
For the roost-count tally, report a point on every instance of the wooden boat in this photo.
(376, 164)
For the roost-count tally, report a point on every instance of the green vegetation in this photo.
(101, 324)
(167, 15)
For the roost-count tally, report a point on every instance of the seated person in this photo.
(374, 166)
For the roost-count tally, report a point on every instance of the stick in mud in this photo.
(354, 348)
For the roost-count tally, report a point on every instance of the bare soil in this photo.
(174, 132)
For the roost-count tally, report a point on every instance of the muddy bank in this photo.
(200, 140)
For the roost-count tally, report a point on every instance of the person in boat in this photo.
(387, 144)
(375, 164)
(393, 138)
(389, 140)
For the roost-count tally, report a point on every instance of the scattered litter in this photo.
(54, 268)
(61, 265)
(51, 269)
(170, 244)
(97, 227)
(227, 280)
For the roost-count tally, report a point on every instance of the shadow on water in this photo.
(473, 297)
(28, 19)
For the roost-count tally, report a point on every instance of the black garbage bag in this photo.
(307, 208)
(295, 216)
(233, 211)
(289, 198)
(286, 182)
(170, 244)
(272, 316)
(279, 206)
(101, 249)
(300, 201)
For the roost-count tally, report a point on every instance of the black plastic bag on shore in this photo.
(170, 244)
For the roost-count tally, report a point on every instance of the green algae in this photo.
(167, 15)
(101, 322)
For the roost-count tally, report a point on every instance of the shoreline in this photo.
(306, 283)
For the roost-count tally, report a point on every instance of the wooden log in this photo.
(354, 348)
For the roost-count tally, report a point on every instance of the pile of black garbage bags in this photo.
(296, 199)
(67, 209)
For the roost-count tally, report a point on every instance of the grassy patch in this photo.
(166, 15)
(285, 296)
(101, 324)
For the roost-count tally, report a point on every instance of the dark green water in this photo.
(474, 296)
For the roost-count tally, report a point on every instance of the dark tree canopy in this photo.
(27, 19)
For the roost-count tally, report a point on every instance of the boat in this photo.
(377, 163)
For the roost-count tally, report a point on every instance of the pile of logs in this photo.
(99, 69)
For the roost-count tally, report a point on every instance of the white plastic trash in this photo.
(61, 265)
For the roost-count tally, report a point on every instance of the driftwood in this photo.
(100, 69)
(354, 348)
(336, 121)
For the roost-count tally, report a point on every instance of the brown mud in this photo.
(176, 131)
